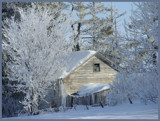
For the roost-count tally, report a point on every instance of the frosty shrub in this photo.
(128, 87)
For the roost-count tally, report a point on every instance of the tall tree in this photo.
(110, 35)
(94, 24)
(146, 24)
(80, 10)
(101, 28)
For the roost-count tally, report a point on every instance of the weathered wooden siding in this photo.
(91, 99)
(84, 74)
(100, 97)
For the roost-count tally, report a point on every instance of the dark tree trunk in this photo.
(39, 100)
(130, 101)
(32, 107)
(101, 104)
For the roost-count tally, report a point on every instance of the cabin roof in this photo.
(91, 88)
(77, 58)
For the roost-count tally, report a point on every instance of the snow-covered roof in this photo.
(75, 59)
(91, 88)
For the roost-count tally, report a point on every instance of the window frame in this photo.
(96, 67)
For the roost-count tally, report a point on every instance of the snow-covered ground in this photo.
(124, 111)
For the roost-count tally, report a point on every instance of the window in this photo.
(96, 67)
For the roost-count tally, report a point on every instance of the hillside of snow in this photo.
(124, 111)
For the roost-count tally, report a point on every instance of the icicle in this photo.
(93, 101)
(63, 94)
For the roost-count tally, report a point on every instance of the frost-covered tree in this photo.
(86, 15)
(36, 44)
(11, 9)
(110, 38)
(94, 23)
(142, 34)
(59, 7)
(139, 78)
(145, 22)
(10, 95)
(101, 28)
(78, 9)
(95, 26)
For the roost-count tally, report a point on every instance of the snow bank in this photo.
(92, 88)
(75, 59)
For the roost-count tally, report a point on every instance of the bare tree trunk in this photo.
(32, 106)
(39, 100)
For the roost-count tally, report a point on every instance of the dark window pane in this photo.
(96, 67)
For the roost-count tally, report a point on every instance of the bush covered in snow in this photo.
(128, 87)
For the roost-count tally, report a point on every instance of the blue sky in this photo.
(123, 6)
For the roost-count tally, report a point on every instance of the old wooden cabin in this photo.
(82, 68)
